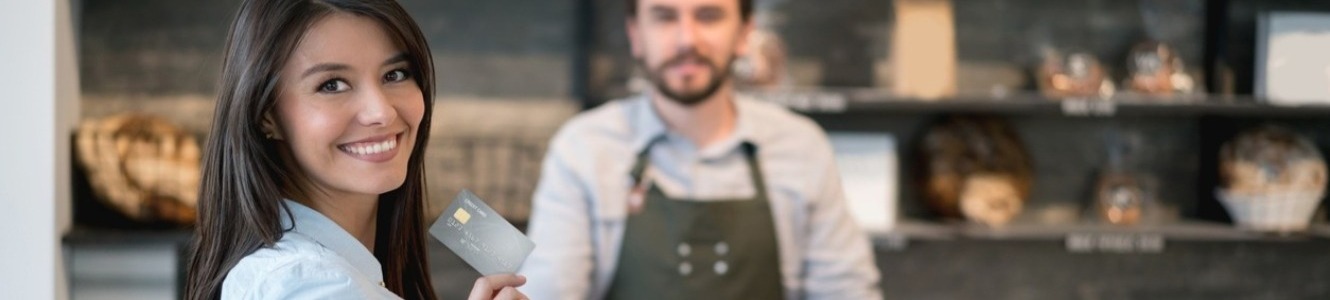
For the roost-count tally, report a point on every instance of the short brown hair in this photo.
(745, 9)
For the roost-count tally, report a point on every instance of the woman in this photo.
(313, 184)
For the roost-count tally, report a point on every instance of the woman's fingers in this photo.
(489, 287)
(509, 293)
(498, 281)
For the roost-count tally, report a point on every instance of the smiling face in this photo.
(348, 108)
(687, 46)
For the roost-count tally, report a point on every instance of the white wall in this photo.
(38, 103)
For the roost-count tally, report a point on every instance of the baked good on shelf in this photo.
(1271, 159)
(1156, 70)
(1120, 198)
(142, 166)
(1077, 75)
(1273, 180)
(975, 168)
(991, 199)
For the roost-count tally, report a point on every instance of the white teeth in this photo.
(374, 148)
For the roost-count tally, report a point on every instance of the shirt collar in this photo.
(648, 126)
(646, 123)
(310, 223)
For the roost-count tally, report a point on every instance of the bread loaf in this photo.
(1271, 159)
(142, 166)
(975, 168)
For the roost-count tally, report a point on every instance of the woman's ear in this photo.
(270, 128)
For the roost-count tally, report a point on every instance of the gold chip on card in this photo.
(462, 215)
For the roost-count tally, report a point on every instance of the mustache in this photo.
(686, 57)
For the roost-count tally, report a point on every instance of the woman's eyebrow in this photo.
(400, 57)
(324, 67)
(329, 67)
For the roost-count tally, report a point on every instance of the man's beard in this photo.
(719, 76)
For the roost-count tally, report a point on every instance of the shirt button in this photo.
(684, 249)
(722, 267)
(722, 248)
(382, 285)
(685, 268)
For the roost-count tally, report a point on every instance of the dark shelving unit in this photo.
(832, 102)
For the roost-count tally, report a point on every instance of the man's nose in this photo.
(688, 33)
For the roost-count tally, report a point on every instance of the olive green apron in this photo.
(688, 249)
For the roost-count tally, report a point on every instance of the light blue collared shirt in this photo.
(315, 259)
(580, 206)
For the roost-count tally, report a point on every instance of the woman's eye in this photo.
(396, 75)
(334, 86)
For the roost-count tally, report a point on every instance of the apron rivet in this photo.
(722, 248)
(685, 249)
(722, 267)
(685, 268)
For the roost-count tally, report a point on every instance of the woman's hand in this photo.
(498, 287)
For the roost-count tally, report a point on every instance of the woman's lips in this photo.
(376, 150)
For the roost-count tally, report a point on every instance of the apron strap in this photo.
(643, 156)
(755, 170)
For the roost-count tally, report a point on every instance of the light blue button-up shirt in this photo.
(316, 259)
(580, 206)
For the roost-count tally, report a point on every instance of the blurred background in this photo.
(1155, 149)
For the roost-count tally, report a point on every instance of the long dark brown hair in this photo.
(246, 176)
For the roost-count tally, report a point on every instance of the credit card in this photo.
(480, 236)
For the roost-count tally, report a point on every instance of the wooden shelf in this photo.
(819, 101)
(1320, 230)
(1182, 230)
(87, 235)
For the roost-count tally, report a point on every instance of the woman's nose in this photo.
(376, 108)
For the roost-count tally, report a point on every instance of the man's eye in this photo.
(710, 15)
(334, 86)
(397, 75)
(663, 16)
